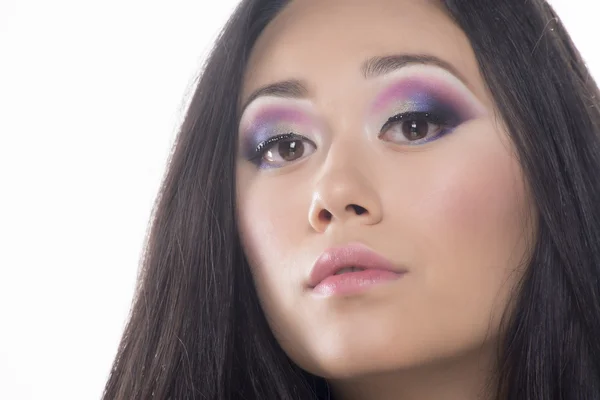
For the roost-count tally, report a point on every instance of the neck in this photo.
(469, 377)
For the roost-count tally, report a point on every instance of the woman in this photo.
(390, 199)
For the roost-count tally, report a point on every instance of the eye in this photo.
(414, 128)
(283, 149)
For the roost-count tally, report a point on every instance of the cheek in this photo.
(477, 202)
(482, 200)
(273, 225)
(471, 223)
(272, 218)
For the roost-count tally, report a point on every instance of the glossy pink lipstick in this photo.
(350, 269)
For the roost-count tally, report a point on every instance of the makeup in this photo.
(416, 105)
(267, 126)
(350, 269)
(419, 95)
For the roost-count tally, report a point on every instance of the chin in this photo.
(339, 357)
(357, 356)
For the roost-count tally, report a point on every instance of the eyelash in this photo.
(429, 117)
(266, 145)
(262, 147)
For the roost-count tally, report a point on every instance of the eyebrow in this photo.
(371, 68)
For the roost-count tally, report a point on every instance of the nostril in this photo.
(325, 215)
(357, 209)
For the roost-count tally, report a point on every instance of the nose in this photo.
(344, 194)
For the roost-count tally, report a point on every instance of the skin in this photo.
(454, 212)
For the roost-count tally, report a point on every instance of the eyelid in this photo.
(425, 79)
(302, 110)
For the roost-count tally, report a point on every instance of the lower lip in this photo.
(354, 282)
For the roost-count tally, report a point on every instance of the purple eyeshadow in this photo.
(268, 123)
(419, 95)
(416, 97)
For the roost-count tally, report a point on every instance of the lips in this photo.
(354, 255)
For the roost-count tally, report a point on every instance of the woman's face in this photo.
(404, 158)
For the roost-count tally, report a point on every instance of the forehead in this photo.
(323, 42)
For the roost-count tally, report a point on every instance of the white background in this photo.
(91, 94)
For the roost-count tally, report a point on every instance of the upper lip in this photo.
(351, 255)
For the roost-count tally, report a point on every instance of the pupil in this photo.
(291, 150)
(415, 129)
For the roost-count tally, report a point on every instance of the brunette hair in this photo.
(196, 329)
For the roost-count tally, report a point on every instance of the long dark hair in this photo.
(196, 329)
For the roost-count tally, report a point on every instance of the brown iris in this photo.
(288, 150)
(415, 129)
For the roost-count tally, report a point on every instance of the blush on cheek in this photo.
(471, 220)
(465, 197)
(477, 190)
